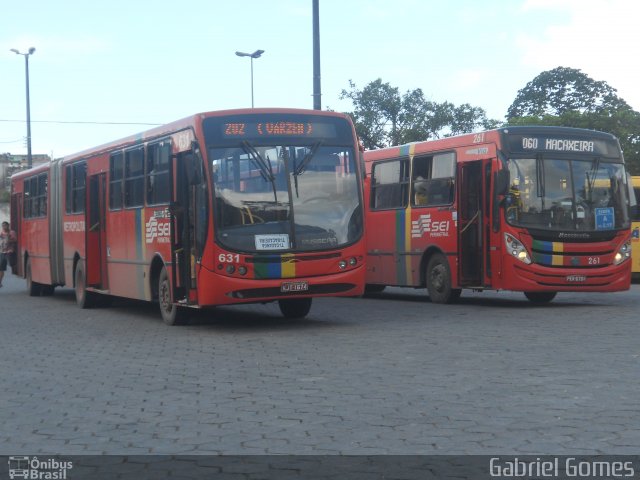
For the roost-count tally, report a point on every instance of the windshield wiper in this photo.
(302, 166)
(264, 167)
(593, 174)
(540, 186)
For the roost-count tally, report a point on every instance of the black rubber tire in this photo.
(171, 313)
(47, 290)
(33, 288)
(540, 298)
(84, 299)
(438, 278)
(373, 288)
(295, 307)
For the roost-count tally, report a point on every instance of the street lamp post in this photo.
(26, 69)
(253, 55)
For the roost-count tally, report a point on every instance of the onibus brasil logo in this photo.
(33, 468)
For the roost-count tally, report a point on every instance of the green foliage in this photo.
(568, 97)
(383, 117)
(562, 90)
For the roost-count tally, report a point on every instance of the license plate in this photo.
(294, 287)
(576, 278)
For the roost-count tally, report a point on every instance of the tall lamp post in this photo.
(253, 55)
(26, 69)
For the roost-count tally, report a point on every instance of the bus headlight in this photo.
(515, 248)
(623, 254)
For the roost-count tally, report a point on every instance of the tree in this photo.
(570, 98)
(561, 90)
(383, 117)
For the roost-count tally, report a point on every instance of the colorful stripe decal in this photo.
(407, 149)
(275, 266)
(546, 253)
(140, 251)
(403, 231)
(555, 260)
(551, 247)
(288, 266)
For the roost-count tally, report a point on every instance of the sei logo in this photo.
(159, 231)
(424, 224)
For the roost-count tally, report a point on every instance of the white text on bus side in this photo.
(425, 224)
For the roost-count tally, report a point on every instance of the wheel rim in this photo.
(79, 284)
(438, 275)
(164, 296)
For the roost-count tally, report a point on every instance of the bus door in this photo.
(471, 221)
(16, 226)
(183, 210)
(97, 232)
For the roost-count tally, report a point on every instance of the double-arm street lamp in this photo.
(253, 55)
(26, 69)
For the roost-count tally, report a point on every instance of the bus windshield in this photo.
(285, 197)
(567, 194)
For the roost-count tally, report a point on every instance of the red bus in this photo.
(219, 208)
(539, 210)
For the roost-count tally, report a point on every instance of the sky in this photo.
(105, 70)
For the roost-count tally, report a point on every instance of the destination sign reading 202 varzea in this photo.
(277, 129)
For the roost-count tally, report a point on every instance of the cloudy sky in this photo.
(104, 70)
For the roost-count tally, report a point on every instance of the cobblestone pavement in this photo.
(393, 374)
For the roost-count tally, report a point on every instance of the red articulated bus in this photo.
(219, 208)
(539, 210)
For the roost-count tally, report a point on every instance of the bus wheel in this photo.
(84, 299)
(171, 313)
(32, 287)
(47, 290)
(295, 307)
(373, 288)
(439, 281)
(540, 297)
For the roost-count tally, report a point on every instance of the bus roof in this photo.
(187, 122)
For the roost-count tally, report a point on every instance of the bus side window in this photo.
(389, 184)
(433, 179)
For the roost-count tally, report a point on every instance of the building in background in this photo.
(10, 164)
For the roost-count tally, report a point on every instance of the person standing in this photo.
(7, 248)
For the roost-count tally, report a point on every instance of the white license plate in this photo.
(294, 287)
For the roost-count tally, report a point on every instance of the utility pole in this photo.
(317, 95)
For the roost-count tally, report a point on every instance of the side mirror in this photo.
(501, 182)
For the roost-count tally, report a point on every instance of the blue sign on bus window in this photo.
(604, 218)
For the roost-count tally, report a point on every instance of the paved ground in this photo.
(387, 375)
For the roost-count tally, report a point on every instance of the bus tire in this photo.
(540, 298)
(171, 313)
(33, 288)
(295, 307)
(438, 279)
(373, 288)
(84, 299)
(47, 290)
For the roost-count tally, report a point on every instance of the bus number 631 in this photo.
(229, 258)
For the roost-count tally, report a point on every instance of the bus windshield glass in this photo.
(567, 194)
(285, 196)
